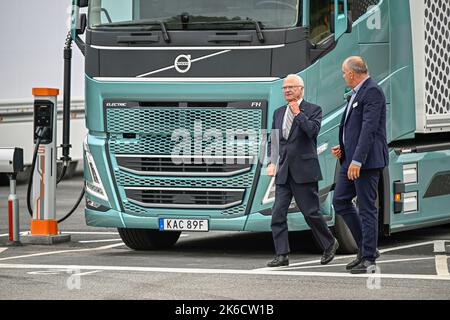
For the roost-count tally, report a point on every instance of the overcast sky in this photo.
(32, 35)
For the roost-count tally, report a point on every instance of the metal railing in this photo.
(22, 110)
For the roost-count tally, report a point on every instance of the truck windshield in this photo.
(194, 14)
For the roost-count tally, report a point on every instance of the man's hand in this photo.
(353, 172)
(270, 170)
(295, 108)
(336, 151)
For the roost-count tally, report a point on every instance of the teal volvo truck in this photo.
(179, 96)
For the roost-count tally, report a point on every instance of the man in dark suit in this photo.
(298, 171)
(363, 153)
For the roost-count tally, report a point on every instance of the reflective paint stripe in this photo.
(189, 48)
(183, 189)
(10, 218)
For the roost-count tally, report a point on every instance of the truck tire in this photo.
(148, 239)
(347, 244)
(22, 177)
(4, 180)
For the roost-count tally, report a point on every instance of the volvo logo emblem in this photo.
(182, 63)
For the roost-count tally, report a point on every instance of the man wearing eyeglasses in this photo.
(295, 128)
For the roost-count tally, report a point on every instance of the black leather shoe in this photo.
(329, 253)
(363, 267)
(358, 260)
(279, 261)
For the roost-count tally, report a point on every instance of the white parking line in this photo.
(343, 264)
(439, 246)
(25, 233)
(352, 256)
(407, 246)
(225, 271)
(90, 232)
(53, 272)
(88, 273)
(46, 272)
(309, 262)
(442, 266)
(104, 240)
(63, 251)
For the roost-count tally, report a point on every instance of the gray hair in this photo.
(298, 78)
(357, 64)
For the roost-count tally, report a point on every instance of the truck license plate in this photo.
(183, 225)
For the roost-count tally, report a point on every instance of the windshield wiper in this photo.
(140, 23)
(257, 24)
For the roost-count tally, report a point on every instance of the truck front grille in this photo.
(142, 146)
(185, 197)
(161, 165)
(166, 121)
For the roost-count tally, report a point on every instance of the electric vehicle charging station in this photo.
(44, 226)
(11, 163)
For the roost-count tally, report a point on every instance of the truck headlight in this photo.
(94, 187)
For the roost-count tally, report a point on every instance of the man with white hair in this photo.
(297, 170)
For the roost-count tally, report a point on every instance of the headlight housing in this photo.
(94, 187)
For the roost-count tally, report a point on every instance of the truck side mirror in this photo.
(83, 3)
(78, 22)
(83, 21)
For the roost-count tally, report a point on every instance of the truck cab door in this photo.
(342, 21)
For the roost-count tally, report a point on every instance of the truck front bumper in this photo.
(116, 219)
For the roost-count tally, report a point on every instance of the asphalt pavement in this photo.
(214, 265)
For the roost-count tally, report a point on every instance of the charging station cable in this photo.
(40, 133)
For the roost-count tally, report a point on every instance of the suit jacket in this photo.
(365, 129)
(297, 155)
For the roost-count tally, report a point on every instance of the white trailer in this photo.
(33, 36)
